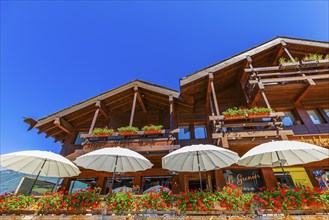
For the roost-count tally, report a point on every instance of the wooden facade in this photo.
(251, 78)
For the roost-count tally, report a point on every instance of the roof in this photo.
(250, 52)
(93, 100)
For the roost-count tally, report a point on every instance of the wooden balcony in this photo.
(165, 141)
(256, 127)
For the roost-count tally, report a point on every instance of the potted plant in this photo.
(102, 132)
(235, 113)
(128, 130)
(259, 112)
(152, 129)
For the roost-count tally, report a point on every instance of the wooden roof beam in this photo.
(103, 109)
(278, 53)
(306, 91)
(140, 99)
(64, 125)
(208, 95)
(30, 121)
(187, 98)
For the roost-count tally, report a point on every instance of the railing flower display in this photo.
(128, 130)
(12, 202)
(152, 129)
(196, 201)
(242, 112)
(102, 132)
(120, 202)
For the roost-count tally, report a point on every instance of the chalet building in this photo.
(298, 91)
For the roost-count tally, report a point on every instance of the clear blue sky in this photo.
(57, 53)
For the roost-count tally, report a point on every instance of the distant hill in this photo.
(9, 180)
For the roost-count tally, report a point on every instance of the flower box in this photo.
(102, 135)
(152, 132)
(127, 133)
(261, 115)
(234, 117)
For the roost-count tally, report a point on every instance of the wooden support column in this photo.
(173, 121)
(261, 88)
(269, 177)
(209, 108)
(93, 121)
(306, 119)
(134, 106)
(103, 109)
(211, 78)
(64, 125)
(219, 178)
(284, 45)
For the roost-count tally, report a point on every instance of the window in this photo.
(282, 179)
(288, 118)
(326, 111)
(200, 131)
(120, 184)
(184, 133)
(79, 140)
(314, 115)
(155, 183)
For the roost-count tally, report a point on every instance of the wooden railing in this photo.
(141, 141)
(255, 127)
(302, 71)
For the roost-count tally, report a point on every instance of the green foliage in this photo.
(283, 60)
(244, 111)
(259, 110)
(128, 128)
(235, 111)
(313, 56)
(105, 130)
(151, 127)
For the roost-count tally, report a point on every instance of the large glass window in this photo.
(288, 118)
(184, 133)
(155, 183)
(120, 184)
(200, 131)
(80, 140)
(314, 115)
(82, 183)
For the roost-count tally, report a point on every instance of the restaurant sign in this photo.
(248, 180)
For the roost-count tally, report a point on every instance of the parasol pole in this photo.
(284, 173)
(115, 168)
(35, 180)
(197, 155)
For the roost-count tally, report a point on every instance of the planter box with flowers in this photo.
(128, 131)
(243, 113)
(235, 113)
(102, 132)
(152, 129)
(259, 112)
